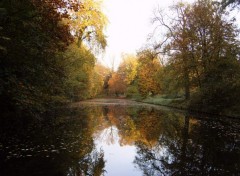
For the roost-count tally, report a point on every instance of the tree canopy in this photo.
(41, 65)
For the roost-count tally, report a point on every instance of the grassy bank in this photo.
(162, 100)
(181, 103)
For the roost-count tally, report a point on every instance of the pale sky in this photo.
(129, 26)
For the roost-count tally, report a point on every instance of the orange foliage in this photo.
(148, 70)
(117, 84)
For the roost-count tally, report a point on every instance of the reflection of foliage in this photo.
(162, 133)
(118, 116)
(233, 3)
(148, 162)
(193, 149)
(149, 126)
(50, 147)
(128, 131)
(92, 164)
(169, 143)
(108, 135)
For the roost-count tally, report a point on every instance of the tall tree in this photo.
(147, 75)
(199, 38)
(176, 44)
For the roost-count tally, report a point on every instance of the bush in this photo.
(132, 92)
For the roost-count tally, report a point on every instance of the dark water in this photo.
(119, 141)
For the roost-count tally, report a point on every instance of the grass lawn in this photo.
(167, 101)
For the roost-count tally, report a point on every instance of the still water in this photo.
(119, 140)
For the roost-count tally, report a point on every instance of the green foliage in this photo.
(132, 92)
(30, 73)
(167, 77)
(39, 69)
(128, 68)
(79, 64)
(83, 80)
(220, 90)
(203, 48)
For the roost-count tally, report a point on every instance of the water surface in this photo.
(119, 139)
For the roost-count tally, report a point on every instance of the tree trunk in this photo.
(187, 85)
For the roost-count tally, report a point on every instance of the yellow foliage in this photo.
(88, 24)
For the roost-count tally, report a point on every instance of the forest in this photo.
(48, 57)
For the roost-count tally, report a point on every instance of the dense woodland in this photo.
(48, 57)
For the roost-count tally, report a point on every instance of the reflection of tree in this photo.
(90, 165)
(108, 135)
(169, 143)
(148, 161)
(54, 146)
(105, 129)
(120, 125)
(150, 126)
(203, 148)
(156, 158)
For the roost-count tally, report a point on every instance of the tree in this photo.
(177, 44)
(105, 73)
(99, 79)
(88, 24)
(215, 50)
(147, 73)
(31, 35)
(79, 72)
(117, 84)
(199, 38)
(127, 72)
(128, 68)
(34, 48)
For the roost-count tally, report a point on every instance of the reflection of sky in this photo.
(119, 159)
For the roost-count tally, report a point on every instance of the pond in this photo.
(119, 140)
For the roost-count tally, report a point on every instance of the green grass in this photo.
(181, 103)
(167, 101)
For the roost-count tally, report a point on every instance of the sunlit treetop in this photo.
(87, 24)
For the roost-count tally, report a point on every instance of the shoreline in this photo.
(134, 102)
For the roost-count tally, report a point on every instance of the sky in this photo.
(129, 27)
